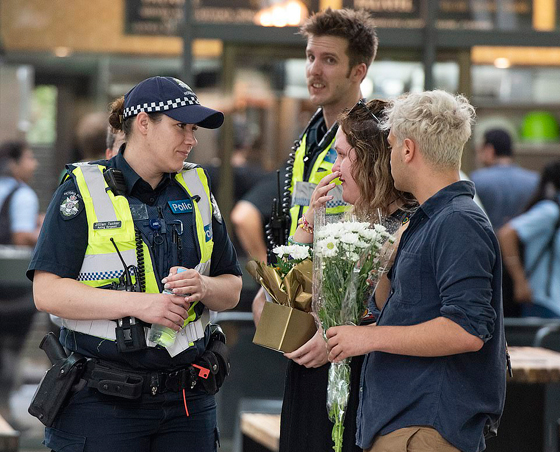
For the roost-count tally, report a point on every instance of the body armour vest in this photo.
(302, 190)
(110, 220)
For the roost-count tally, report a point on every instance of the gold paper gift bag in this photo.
(283, 328)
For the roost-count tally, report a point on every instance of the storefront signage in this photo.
(164, 17)
(451, 14)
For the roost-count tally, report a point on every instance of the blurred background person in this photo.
(113, 141)
(91, 137)
(20, 221)
(536, 271)
(95, 141)
(247, 172)
(503, 187)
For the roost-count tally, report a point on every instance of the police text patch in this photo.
(181, 206)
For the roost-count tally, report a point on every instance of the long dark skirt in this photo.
(305, 425)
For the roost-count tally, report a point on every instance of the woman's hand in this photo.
(311, 354)
(164, 309)
(189, 283)
(320, 195)
(319, 198)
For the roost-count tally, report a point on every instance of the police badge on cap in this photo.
(172, 97)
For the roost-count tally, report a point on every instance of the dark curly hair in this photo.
(356, 27)
(372, 168)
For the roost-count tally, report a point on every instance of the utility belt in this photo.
(73, 372)
(108, 379)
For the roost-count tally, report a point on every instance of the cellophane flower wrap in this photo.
(350, 256)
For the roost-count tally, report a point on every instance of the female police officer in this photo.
(128, 224)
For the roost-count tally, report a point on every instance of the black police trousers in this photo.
(94, 422)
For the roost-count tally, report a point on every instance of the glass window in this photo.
(43, 116)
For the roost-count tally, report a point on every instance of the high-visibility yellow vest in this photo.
(321, 168)
(109, 217)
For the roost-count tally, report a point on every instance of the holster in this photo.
(57, 383)
(215, 358)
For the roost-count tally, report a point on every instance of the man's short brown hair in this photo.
(356, 27)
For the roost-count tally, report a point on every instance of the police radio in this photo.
(129, 331)
(276, 229)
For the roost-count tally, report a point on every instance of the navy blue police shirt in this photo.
(157, 214)
(447, 265)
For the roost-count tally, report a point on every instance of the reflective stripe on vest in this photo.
(194, 180)
(301, 200)
(108, 216)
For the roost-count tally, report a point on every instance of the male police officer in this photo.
(341, 44)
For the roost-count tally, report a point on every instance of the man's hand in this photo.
(311, 354)
(345, 341)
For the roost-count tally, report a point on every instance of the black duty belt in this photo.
(112, 380)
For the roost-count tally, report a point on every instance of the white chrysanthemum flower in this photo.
(299, 252)
(280, 250)
(368, 234)
(327, 248)
(353, 257)
(329, 230)
(349, 238)
(380, 228)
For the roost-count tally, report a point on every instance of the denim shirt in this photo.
(447, 265)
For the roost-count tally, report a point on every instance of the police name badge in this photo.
(107, 225)
(71, 205)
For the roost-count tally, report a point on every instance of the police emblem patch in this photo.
(71, 205)
(216, 210)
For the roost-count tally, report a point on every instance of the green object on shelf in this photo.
(540, 126)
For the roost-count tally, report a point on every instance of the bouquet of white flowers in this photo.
(349, 259)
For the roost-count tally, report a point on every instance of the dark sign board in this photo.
(391, 13)
(451, 14)
(164, 17)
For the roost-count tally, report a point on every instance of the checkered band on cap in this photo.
(154, 107)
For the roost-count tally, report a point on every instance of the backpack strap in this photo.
(5, 223)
